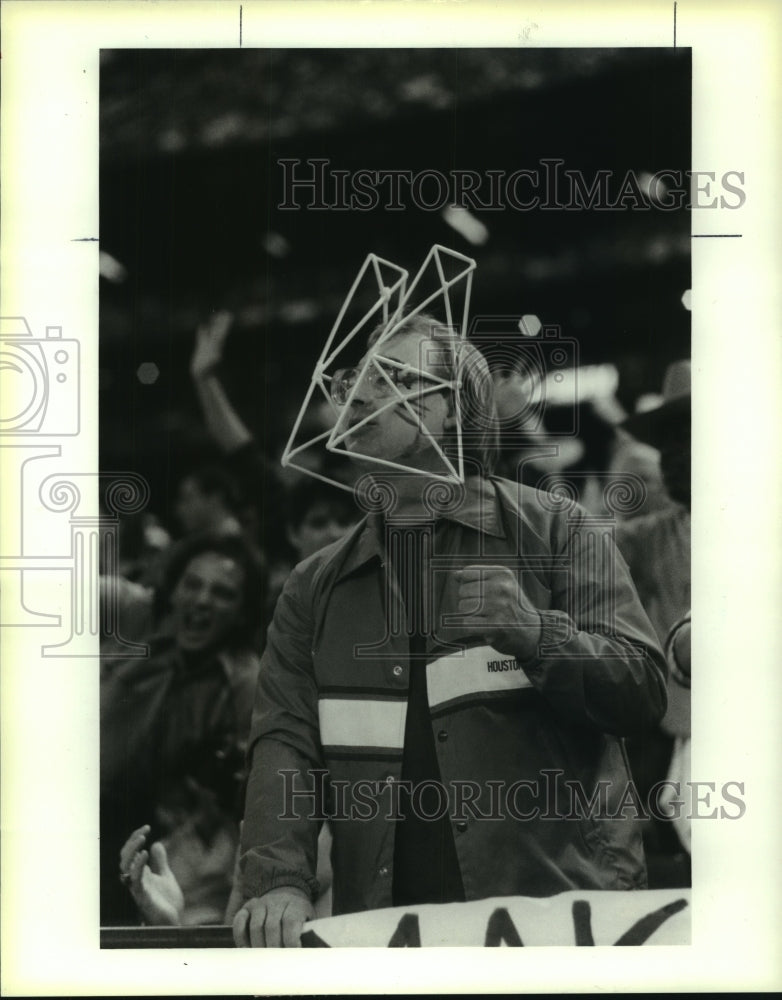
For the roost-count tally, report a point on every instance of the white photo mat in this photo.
(49, 262)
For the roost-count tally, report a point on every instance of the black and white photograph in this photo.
(406, 504)
(473, 531)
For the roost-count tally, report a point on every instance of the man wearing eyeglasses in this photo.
(434, 680)
(420, 415)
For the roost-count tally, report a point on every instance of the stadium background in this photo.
(190, 183)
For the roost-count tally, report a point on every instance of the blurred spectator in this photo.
(677, 723)
(173, 727)
(528, 451)
(158, 894)
(127, 565)
(250, 467)
(208, 500)
(637, 458)
(142, 543)
(149, 878)
(585, 475)
(656, 547)
(126, 614)
(307, 514)
(316, 514)
(222, 420)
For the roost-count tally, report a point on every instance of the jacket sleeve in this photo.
(598, 662)
(280, 830)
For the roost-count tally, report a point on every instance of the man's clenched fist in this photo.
(493, 600)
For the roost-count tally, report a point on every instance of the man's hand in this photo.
(151, 882)
(210, 338)
(273, 920)
(495, 603)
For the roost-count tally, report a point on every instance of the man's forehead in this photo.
(412, 347)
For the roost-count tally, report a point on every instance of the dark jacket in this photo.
(332, 696)
(137, 699)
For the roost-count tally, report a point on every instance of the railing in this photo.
(166, 937)
(588, 917)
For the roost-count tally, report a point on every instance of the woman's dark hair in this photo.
(462, 362)
(232, 547)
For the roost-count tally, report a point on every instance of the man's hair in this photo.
(232, 547)
(462, 362)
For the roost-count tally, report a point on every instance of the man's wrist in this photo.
(257, 883)
(529, 636)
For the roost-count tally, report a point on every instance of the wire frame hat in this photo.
(394, 305)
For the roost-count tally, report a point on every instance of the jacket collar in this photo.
(478, 509)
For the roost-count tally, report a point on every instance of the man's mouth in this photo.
(354, 422)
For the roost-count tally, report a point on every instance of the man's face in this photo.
(321, 525)
(207, 602)
(393, 432)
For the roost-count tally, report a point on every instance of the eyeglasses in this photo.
(381, 381)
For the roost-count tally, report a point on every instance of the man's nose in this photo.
(364, 399)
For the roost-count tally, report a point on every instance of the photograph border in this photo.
(49, 256)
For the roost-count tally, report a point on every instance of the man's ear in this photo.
(451, 422)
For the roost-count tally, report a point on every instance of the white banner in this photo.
(659, 916)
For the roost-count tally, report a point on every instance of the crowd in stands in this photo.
(200, 593)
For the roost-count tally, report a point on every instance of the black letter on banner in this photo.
(501, 928)
(582, 922)
(309, 939)
(643, 929)
(407, 933)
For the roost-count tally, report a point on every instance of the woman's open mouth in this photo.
(196, 626)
